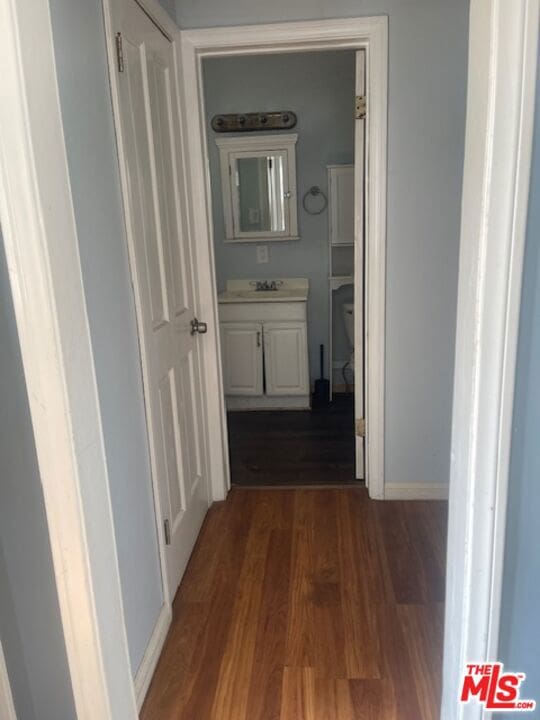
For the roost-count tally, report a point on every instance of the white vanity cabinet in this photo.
(264, 349)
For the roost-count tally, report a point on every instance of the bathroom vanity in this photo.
(264, 344)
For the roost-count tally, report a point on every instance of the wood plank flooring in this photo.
(293, 447)
(307, 604)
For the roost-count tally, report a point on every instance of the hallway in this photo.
(307, 604)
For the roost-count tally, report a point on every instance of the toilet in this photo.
(348, 319)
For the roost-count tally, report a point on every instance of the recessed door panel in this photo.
(189, 424)
(173, 480)
(172, 227)
(142, 185)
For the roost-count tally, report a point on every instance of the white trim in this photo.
(45, 274)
(500, 113)
(145, 672)
(7, 707)
(158, 15)
(363, 285)
(416, 491)
(370, 33)
(258, 142)
(268, 402)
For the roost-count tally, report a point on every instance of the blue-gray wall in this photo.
(79, 42)
(169, 7)
(428, 48)
(520, 621)
(30, 625)
(319, 88)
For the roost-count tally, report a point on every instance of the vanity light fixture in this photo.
(249, 122)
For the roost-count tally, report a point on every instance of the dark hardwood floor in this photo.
(293, 447)
(307, 604)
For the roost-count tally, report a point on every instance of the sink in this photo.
(294, 291)
(261, 295)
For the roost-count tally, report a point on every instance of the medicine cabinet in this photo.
(258, 180)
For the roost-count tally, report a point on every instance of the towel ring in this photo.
(315, 191)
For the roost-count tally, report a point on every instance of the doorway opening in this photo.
(361, 34)
(286, 159)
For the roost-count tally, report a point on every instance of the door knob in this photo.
(198, 327)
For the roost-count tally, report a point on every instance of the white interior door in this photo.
(359, 254)
(150, 150)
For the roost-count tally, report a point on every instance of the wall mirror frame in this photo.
(258, 182)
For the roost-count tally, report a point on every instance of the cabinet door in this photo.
(341, 181)
(286, 358)
(242, 358)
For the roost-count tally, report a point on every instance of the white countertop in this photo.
(289, 290)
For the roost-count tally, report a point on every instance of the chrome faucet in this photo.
(265, 285)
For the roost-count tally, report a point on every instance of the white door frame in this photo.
(500, 116)
(370, 34)
(42, 251)
(44, 268)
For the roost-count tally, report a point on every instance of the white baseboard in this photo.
(151, 656)
(268, 402)
(416, 491)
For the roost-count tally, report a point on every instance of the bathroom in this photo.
(288, 422)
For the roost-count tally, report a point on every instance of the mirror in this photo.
(259, 188)
(261, 194)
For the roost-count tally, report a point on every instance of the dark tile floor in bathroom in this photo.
(312, 447)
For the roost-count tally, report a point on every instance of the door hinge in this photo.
(360, 107)
(361, 427)
(167, 529)
(119, 52)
